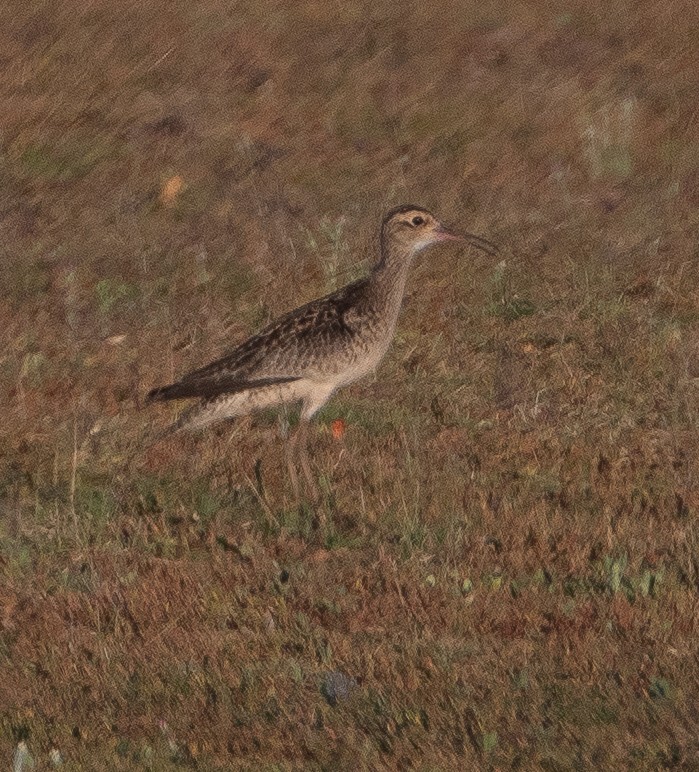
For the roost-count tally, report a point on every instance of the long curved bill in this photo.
(477, 241)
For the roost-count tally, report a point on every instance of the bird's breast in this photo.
(359, 359)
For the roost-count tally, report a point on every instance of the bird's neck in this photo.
(390, 274)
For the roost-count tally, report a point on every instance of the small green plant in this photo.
(503, 302)
(61, 164)
(95, 505)
(648, 583)
(607, 138)
(332, 247)
(660, 689)
(111, 291)
(34, 367)
(490, 741)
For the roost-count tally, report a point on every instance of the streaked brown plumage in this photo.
(328, 343)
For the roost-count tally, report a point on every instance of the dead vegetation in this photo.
(508, 575)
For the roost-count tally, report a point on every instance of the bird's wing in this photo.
(277, 354)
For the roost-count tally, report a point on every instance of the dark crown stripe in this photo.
(402, 209)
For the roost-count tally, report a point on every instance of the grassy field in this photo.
(504, 570)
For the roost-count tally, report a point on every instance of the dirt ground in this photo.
(503, 571)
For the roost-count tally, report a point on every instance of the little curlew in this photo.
(309, 353)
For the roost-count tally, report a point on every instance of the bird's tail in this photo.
(172, 391)
(210, 388)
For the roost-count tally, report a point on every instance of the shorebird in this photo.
(309, 353)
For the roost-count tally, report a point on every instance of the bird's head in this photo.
(409, 229)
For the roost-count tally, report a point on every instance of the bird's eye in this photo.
(417, 220)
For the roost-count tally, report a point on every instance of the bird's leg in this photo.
(291, 466)
(302, 438)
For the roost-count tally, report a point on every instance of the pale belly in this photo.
(358, 369)
(313, 390)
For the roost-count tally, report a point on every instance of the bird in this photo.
(309, 353)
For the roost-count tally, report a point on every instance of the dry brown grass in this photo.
(510, 567)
